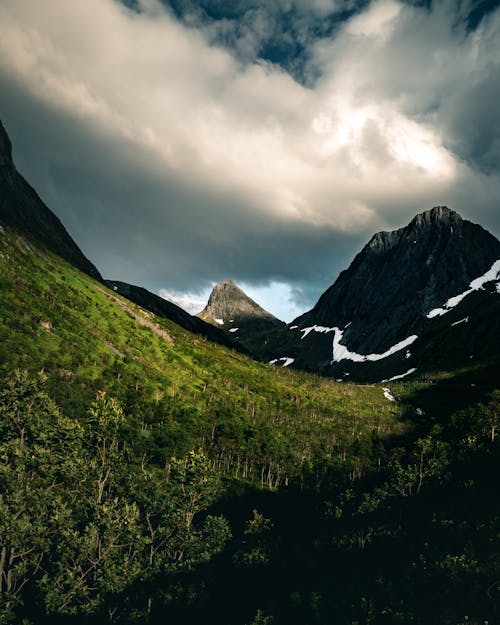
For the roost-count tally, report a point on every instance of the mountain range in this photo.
(419, 299)
(415, 300)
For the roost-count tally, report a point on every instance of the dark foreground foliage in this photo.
(401, 530)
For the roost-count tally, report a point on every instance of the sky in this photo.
(182, 143)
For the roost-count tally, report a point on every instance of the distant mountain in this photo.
(168, 310)
(376, 317)
(22, 209)
(230, 309)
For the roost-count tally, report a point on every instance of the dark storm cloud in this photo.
(141, 223)
(176, 162)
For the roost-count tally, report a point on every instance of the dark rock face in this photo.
(22, 209)
(230, 309)
(399, 276)
(163, 308)
(383, 300)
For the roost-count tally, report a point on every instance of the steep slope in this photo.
(187, 391)
(379, 311)
(168, 310)
(22, 209)
(238, 315)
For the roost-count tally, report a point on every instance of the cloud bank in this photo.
(176, 161)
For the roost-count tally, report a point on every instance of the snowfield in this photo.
(388, 395)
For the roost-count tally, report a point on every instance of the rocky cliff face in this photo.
(399, 276)
(22, 209)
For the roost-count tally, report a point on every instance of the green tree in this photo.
(169, 501)
(96, 555)
(35, 463)
(429, 458)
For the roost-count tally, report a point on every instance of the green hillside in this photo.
(87, 339)
(149, 476)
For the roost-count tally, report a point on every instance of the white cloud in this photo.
(192, 303)
(238, 154)
(376, 21)
(197, 110)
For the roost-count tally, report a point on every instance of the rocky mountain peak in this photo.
(226, 285)
(400, 275)
(427, 223)
(228, 301)
(436, 217)
(247, 323)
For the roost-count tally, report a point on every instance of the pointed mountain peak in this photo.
(5, 148)
(225, 285)
(229, 303)
(439, 219)
(436, 216)
(399, 276)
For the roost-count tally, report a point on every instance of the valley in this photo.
(152, 470)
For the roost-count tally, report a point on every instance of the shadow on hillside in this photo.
(440, 399)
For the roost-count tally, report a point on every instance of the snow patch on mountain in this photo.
(219, 321)
(234, 330)
(388, 395)
(341, 352)
(464, 320)
(492, 274)
(320, 329)
(287, 361)
(401, 375)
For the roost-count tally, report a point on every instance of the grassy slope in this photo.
(87, 338)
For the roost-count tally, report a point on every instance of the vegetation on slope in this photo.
(255, 421)
(150, 476)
